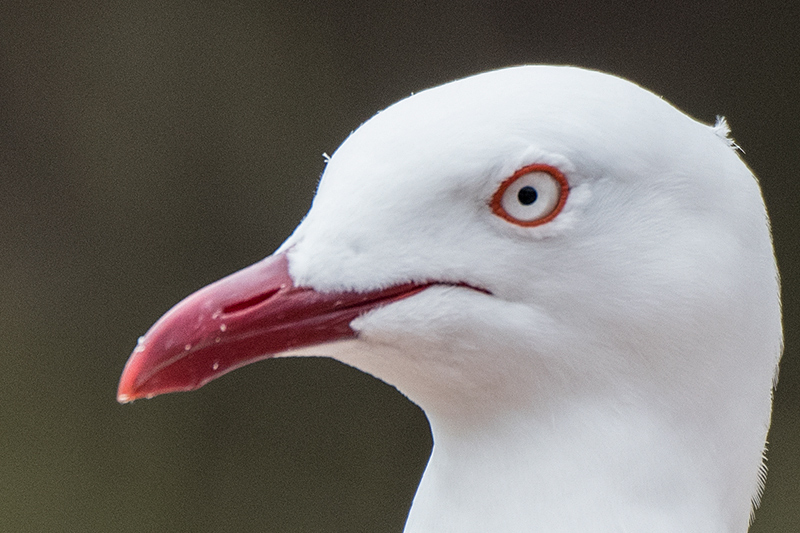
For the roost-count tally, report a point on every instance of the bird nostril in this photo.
(250, 302)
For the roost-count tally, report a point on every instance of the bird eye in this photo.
(533, 195)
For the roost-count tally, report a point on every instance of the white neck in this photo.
(584, 469)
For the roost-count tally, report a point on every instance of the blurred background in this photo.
(148, 148)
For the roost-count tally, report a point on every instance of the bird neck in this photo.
(577, 468)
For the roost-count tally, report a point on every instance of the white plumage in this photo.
(614, 370)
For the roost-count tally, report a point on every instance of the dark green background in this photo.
(148, 148)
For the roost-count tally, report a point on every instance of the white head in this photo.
(617, 371)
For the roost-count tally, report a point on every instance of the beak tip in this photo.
(130, 387)
(123, 398)
(126, 392)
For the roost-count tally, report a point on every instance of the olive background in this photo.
(148, 148)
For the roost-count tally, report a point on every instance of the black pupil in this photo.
(527, 195)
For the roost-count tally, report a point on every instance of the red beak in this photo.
(248, 316)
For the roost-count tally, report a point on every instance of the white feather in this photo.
(619, 377)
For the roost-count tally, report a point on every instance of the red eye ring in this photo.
(496, 202)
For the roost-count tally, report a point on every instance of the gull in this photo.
(573, 279)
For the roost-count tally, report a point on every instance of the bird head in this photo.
(509, 243)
